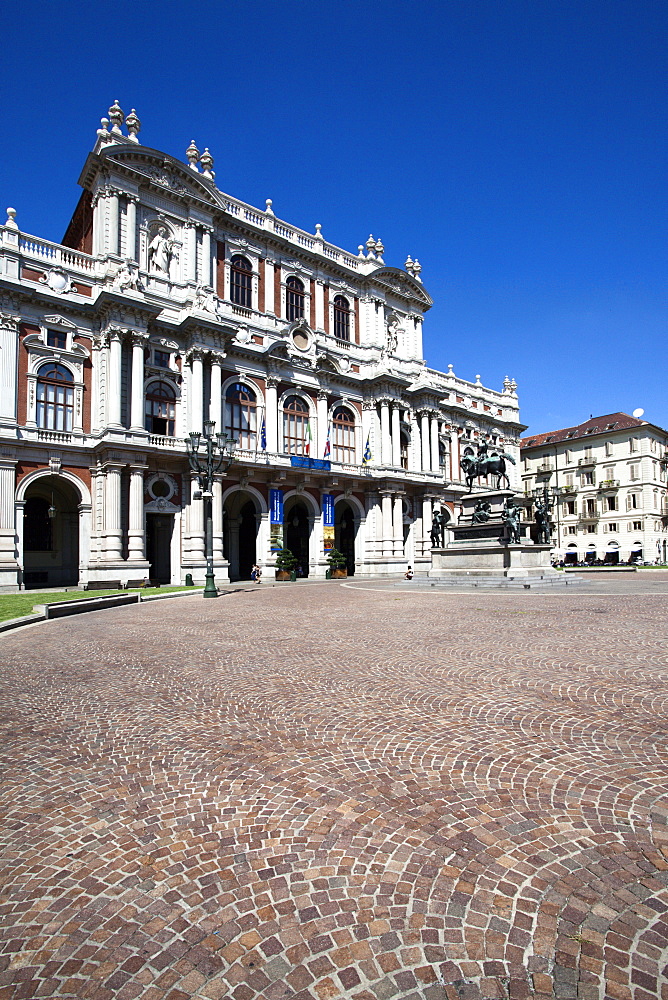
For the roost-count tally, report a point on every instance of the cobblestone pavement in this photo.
(322, 791)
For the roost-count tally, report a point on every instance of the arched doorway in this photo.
(51, 534)
(240, 527)
(344, 537)
(297, 531)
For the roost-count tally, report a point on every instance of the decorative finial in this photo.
(318, 234)
(371, 246)
(513, 385)
(409, 264)
(477, 380)
(103, 132)
(506, 384)
(451, 370)
(206, 159)
(417, 267)
(360, 250)
(117, 117)
(380, 249)
(11, 219)
(133, 125)
(269, 210)
(192, 153)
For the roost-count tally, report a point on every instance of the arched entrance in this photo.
(51, 534)
(240, 528)
(344, 536)
(297, 531)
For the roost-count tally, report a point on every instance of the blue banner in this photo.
(276, 506)
(304, 462)
(327, 510)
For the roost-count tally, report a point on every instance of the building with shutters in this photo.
(610, 476)
(169, 303)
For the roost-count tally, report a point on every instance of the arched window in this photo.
(343, 427)
(241, 282)
(296, 431)
(55, 397)
(160, 409)
(341, 318)
(241, 415)
(295, 299)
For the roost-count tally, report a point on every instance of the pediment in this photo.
(166, 173)
(60, 321)
(396, 280)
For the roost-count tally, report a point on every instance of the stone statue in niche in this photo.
(205, 300)
(392, 335)
(128, 277)
(159, 252)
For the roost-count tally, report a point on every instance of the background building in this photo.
(169, 303)
(610, 475)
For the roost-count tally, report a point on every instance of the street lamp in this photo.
(216, 457)
(549, 495)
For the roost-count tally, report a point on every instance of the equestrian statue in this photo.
(483, 464)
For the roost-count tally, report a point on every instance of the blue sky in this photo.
(516, 147)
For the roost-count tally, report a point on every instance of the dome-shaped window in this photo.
(55, 397)
(296, 426)
(294, 299)
(343, 427)
(241, 281)
(341, 318)
(160, 409)
(241, 415)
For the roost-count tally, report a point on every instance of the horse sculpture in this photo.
(492, 465)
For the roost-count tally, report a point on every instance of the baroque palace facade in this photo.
(168, 304)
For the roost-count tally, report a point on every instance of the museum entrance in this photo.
(240, 527)
(345, 534)
(159, 528)
(297, 532)
(51, 534)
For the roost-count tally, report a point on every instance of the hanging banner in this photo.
(327, 522)
(275, 520)
(327, 509)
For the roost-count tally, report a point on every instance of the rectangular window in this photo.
(569, 479)
(611, 503)
(56, 338)
(613, 526)
(570, 506)
(588, 478)
(568, 456)
(634, 472)
(161, 359)
(633, 444)
(637, 525)
(572, 530)
(591, 529)
(608, 449)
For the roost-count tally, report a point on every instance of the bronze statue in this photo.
(437, 532)
(481, 512)
(484, 465)
(511, 519)
(543, 511)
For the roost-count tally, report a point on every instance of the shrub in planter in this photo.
(285, 564)
(338, 564)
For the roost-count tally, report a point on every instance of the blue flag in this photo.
(263, 435)
(368, 457)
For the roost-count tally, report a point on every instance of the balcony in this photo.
(567, 489)
(545, 469)
(588, 516)
(608, 484)
(586, 461)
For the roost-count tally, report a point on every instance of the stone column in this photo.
(9, 331)
(206, 257)
(368, 412)
(216, 397)
(416, 441)
(424, 435)
(398, 526)
(137, 387)
(434, 442)
(112, 232)
(269, 305)
(388, 532)
(8, 563)
(112, 514)
(196, 524)
(455, 471)
(426, 525)
(385, 440)
(321, 410)
(99, 205)
(319, 305)
(114, 379)
(191, 252)
(217, 514)
(396, 436)
(196, 391)
(136, 549)
(271, 414)
(131, 227)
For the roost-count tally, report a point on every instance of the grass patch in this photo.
(18, 605)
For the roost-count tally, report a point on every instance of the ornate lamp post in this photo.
(216, 457)
(545, 499)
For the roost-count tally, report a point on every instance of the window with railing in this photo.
(160, 412)
(241, 415)
(55, 397)
(241, 282)
(294, 299)
(341, 318)
(343, 427)
(296, 430)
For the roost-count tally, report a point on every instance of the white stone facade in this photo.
(611, 475)
(169, 303)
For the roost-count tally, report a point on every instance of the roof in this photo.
(595, 425)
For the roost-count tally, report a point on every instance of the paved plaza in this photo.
(363, 791)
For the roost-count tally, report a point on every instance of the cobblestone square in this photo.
(318, 791)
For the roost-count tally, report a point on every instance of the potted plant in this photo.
(285, 564)
(338, 565)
